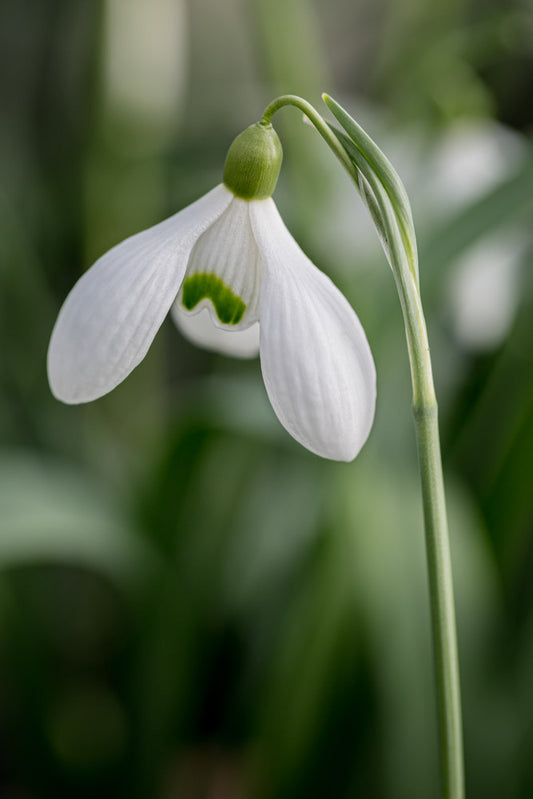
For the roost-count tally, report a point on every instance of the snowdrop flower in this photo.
(236, 282)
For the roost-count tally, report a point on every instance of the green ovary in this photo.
(228, 306)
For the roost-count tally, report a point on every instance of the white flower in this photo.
(237, 282)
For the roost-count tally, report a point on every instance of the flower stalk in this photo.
(386, 199)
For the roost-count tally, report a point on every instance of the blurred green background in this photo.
(191, 605)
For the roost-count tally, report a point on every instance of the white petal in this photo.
(317, 366)
(226, 262)
(112, 314)
(202, 331)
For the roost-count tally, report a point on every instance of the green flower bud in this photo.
(253, 163)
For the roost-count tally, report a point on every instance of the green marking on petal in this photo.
(228, 306)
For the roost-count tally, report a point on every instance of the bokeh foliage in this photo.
(191, 605)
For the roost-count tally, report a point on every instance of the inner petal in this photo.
(224, 271)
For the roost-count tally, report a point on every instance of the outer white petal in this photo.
(202, 331)
(112, 314)
(317, 366)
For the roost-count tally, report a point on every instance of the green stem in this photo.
(358, 156)
(441, 601)
(319, 123)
